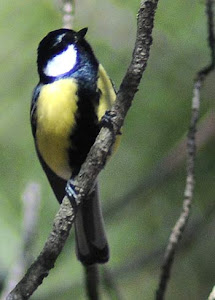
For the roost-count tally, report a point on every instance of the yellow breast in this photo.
(56, 108)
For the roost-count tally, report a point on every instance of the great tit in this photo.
(67, 107)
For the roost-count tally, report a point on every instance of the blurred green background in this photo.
(142, 185)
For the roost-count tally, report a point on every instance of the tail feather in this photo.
(91, 241)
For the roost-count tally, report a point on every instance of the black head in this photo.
(61, 52)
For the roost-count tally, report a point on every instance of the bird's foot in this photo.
(107, 120)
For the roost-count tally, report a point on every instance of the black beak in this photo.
(81, 33)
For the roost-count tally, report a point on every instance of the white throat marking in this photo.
(61, 63)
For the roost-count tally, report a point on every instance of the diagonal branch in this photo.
(181, 223)
(96, 158)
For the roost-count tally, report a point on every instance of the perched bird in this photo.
(67, 107)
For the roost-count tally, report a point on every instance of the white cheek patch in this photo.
(61, 63)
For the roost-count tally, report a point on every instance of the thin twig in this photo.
(92, 281)
(181, 223)
(96, 158)
(31, 203)
(68, 13)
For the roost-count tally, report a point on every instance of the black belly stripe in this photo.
(86, 130)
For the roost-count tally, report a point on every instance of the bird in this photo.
(67, 107)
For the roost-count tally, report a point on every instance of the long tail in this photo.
(91, 241)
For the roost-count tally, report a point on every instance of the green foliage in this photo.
(157, 121)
